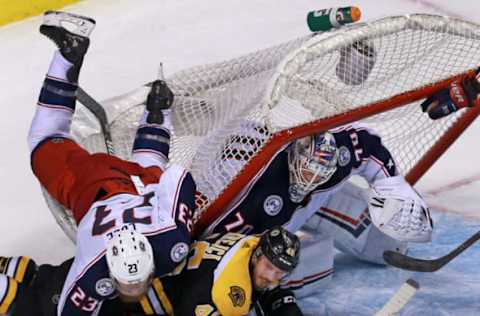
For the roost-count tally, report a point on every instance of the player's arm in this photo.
(463, 92)
(85, 289)
(177, 195)
(395, 207)
(196, 298)
(378, 162)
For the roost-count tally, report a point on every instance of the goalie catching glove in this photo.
(463, 92)
(398, 211)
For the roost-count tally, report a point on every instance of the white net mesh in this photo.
(226, 113)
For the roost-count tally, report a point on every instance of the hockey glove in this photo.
(463, 92)
(278, 302)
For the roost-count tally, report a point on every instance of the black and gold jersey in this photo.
(217, 275)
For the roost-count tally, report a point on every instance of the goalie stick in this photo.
(399, 299)
(99, 112)
(425, 265)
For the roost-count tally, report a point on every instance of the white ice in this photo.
(132, 37)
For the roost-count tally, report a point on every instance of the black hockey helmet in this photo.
(281, 247)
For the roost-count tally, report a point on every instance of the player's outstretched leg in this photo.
(56, 103)
(152, 141)
(72, 44)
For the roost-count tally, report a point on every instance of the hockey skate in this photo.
(72, 42)
(160, 98)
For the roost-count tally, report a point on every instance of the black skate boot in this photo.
(160, 98)
(73, 44)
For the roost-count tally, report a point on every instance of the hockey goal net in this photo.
(231, 117)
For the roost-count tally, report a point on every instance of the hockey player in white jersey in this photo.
(134, 218)
(306, 186)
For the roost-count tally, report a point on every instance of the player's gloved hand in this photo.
(278, 302)
(463, 92)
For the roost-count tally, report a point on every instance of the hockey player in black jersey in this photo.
(229, 274)
(306, 186)
(463, 92)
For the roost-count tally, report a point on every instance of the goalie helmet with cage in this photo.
(130, 262)
(312, 161)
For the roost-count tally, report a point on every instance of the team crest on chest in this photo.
(343, 156)
(273, 204)
(179, 251)
(104, 287)
(237, 295)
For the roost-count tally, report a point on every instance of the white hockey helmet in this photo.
(130, 261)
(312, 161)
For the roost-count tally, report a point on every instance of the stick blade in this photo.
(399, 299)
(409, 263)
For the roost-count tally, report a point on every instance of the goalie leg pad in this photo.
(315, 268)
(345, 217)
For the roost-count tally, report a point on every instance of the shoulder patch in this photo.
(237, 295)
(273, 205)
(179, 252)
(105, 287)
(203, 310)
(343, 156)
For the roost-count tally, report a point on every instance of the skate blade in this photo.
(76, 24)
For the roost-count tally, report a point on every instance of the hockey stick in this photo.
(424, 265)
(99, 112)
(399, 299)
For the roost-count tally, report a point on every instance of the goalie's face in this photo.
(312, 161)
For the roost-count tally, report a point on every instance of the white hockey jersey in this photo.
(161, 211)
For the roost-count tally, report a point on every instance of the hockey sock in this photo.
(57, 90)
(152, 141)
(56, 104)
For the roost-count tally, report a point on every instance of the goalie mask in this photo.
(312, 161)
(130, 261)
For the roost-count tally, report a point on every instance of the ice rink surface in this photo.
(132, 37)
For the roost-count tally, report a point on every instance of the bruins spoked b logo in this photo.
(237, 295)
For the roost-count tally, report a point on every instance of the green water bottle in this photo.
(326, 19)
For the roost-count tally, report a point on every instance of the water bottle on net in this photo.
(326, 19)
